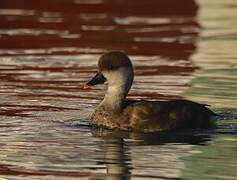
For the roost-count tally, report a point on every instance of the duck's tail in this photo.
(215, 118)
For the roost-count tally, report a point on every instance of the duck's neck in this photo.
(119, 84)
(114, 98)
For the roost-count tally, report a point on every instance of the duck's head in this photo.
(116, 69)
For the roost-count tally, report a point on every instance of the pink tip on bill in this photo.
(86, 87)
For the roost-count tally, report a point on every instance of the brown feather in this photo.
(113, 60)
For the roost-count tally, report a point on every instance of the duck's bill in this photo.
(97, 79)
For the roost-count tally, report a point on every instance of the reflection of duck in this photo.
(115, 111)
(127, 153)
(116, 159)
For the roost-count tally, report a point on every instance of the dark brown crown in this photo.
(113, 60)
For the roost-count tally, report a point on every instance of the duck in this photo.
(115, 111)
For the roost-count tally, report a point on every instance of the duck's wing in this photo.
(166, 115)
(147, 116)
(129, 102)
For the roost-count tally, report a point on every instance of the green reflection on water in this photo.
(217, 87)
(216, 84)
(216, 161)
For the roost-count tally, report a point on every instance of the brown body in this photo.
(155, 116)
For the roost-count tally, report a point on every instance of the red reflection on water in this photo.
(147, 29)
(21, 171)
(21, 110)
(138, 27)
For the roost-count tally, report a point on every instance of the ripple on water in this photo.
(48, 52)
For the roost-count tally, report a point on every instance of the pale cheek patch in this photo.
(117, 77)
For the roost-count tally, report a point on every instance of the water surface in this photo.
(49, 49)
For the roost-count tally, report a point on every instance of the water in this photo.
(49, 49)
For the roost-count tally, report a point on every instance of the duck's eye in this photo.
(111, 67)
